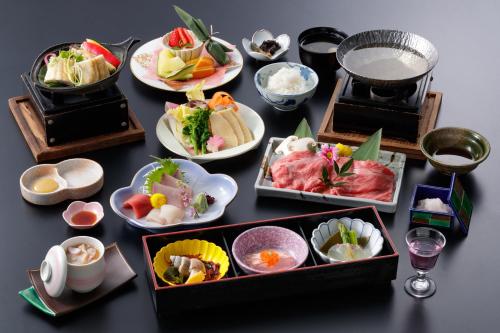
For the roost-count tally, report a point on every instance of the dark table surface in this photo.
(468, 271)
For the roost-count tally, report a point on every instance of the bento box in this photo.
(454, 196)
(236, 287)
(264, 184)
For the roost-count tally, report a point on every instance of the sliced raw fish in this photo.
(179, 197)
(140, 204)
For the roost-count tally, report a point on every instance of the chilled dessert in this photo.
(82, 254)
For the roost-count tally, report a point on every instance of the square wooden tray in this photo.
(33, 132)
(430, 113)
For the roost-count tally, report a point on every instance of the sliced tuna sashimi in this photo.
(140, 204)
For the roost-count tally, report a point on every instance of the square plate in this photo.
(264, 187)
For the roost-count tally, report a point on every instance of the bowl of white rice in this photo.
(286, 85)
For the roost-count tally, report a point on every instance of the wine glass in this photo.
(425, 245)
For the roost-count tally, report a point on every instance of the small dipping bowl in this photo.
(285, 102)
(320, 58)
(454, 149)
(266, 237)
(326, 230)
(80, 206)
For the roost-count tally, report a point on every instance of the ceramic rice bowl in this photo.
(326, 230)
(265, 237)
(206, 251)
(285, 102)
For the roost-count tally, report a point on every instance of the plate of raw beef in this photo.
(298, 176)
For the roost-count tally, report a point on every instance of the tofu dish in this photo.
(81, 64)
(208, 126)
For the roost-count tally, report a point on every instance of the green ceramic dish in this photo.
(455, 149)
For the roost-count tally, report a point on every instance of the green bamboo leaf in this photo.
(217, 52)
(303, 130)
(191, 23)
(202, 27)
(370, 149)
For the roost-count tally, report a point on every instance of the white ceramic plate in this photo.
(141, 73)
(222, 187)
(252, 120)
(395, 161)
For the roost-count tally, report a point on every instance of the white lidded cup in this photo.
(56, 272)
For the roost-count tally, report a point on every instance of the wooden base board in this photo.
(412, 150)
(33, 132)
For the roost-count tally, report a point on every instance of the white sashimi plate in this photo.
(222, 187)
(394, 161)
(252, 120)
(141, 73)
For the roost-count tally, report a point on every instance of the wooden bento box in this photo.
(236, 287)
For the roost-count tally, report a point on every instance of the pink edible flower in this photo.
(215, 143)
(329, 153)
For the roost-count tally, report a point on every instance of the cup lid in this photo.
(54, 270)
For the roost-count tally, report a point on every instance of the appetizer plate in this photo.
(222, 187)
(252, 120)
(264, 186)
(142, 75)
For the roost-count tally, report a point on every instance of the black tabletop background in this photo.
(468, 271)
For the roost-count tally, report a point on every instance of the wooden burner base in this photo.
(430, 113)
(33, 131)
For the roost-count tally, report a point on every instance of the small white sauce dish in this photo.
(326, 230)
(260, 36)
(77, 178)
(285, 102)
(78, 206)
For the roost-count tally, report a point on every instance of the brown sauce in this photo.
(84, 217)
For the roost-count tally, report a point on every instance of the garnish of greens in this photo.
(167, 167)
(341, 172)
(347, 236)
(196, 128)
(196, 25)
(172, 274)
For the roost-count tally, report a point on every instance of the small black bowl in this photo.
(324, 63)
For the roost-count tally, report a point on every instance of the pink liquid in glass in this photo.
(424, 253)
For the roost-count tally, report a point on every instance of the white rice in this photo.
(287, 81)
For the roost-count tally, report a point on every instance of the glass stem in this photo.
(421, 275)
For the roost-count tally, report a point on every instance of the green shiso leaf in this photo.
(370, 149)
(167, 166)
(303, 130)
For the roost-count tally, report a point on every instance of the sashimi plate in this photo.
(264, 185)
(222, 187)
(252, 120)
(143, 73)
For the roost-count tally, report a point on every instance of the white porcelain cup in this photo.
(85, 278)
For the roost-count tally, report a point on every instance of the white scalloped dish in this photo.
(76, 178)
(366, 230)
(222, 187)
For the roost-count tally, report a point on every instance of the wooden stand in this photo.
(412, 150)
(33, 132)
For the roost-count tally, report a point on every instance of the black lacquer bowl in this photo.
(323, 63)
(37, 73)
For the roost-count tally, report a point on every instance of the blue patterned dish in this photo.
(285, 102)
(222, 187)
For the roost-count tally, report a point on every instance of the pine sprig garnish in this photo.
(167, 166)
